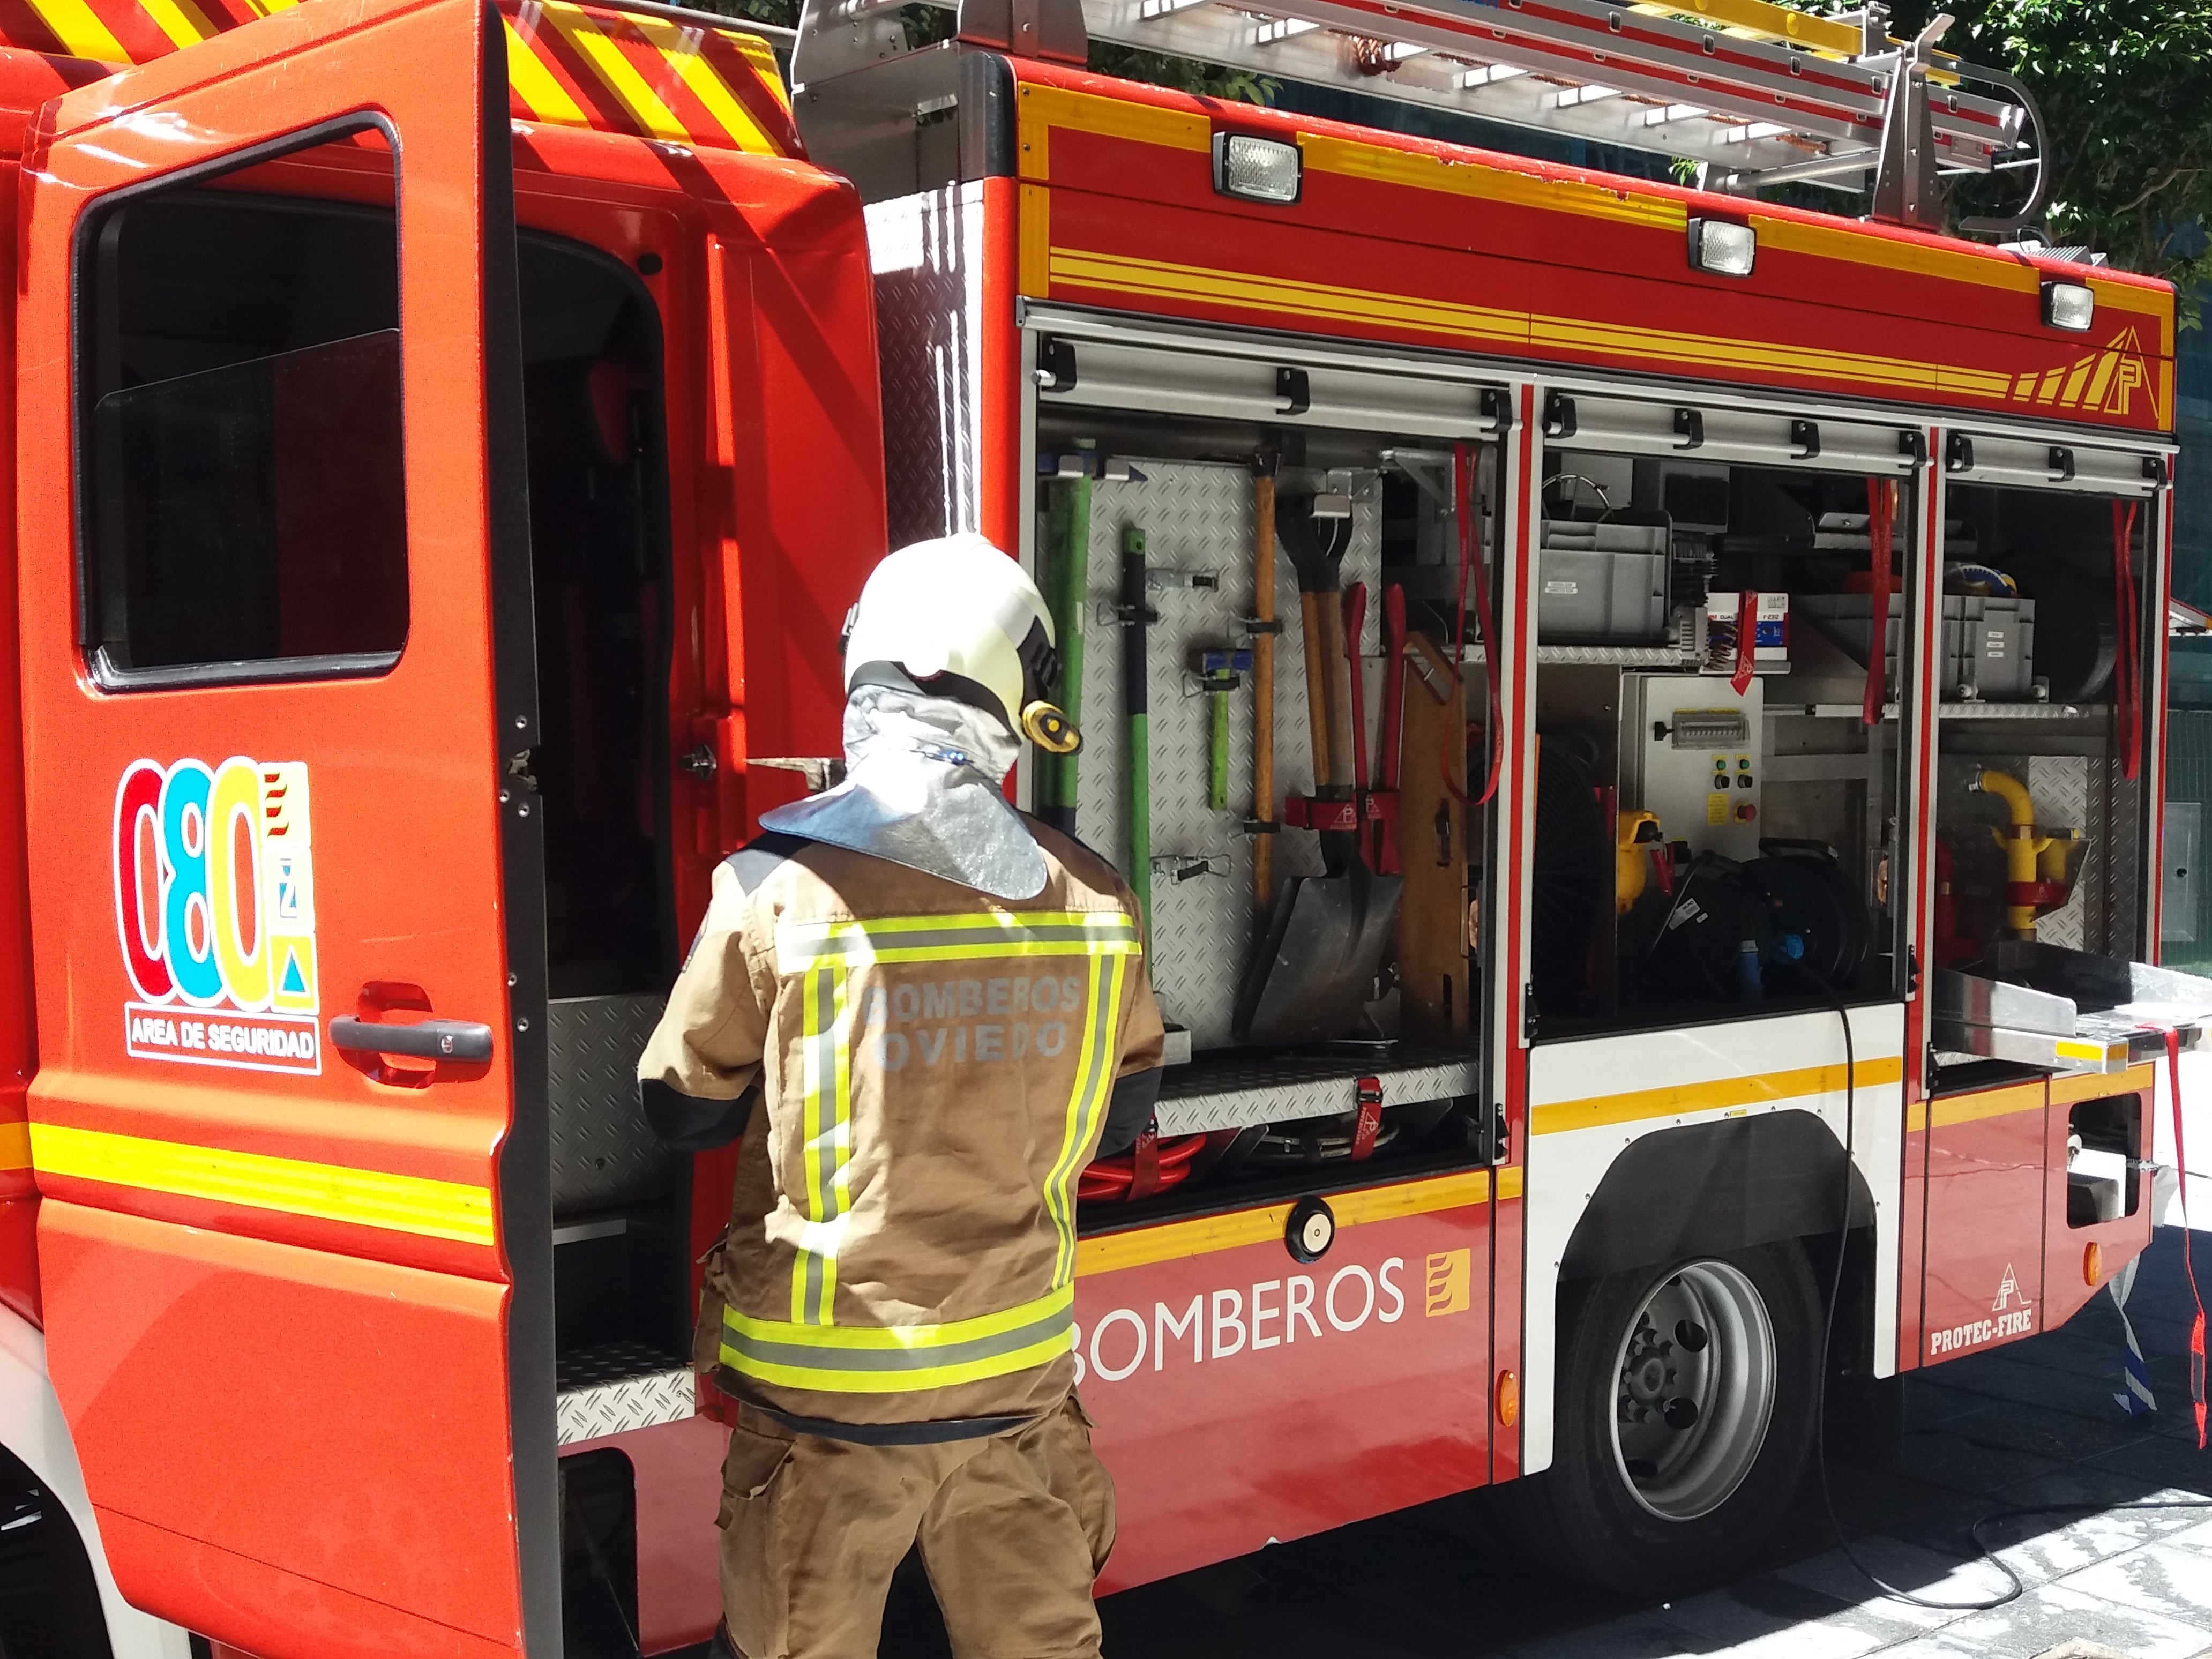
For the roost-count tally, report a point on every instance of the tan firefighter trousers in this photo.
(1013, 1529)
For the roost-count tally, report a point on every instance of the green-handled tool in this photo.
(1135, 612)
(1220, 670)
(1068, 583)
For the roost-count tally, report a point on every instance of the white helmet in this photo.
(956, 617)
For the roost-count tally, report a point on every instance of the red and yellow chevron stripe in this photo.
(567, 64)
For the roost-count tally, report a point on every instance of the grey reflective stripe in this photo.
(982, 941)
(807, 1356)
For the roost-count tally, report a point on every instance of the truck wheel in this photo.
(1685, 1415)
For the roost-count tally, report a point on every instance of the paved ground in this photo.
(2034, 1423)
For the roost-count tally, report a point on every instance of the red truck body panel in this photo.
(1495, 255)
(308, 1275)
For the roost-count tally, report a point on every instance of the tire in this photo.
(1644, 1496)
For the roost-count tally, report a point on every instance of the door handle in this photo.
(459, 1040)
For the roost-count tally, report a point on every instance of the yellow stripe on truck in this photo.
(325, 1192)
(1176, 1240)
(1681, 1099)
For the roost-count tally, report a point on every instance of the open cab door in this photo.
(279, 704)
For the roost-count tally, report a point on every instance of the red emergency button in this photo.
(1745, 811)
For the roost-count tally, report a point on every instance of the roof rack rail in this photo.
(692, 17)
(1756, 93)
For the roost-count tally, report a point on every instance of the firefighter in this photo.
(941, 1006)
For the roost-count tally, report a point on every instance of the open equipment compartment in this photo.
(2045, 792)
(1715, 758)
(2049, 555)
(1310, 900)
(1180, 435)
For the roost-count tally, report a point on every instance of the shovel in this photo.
(1326, 937)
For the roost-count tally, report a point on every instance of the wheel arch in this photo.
(1713, 1188)
(36, 1440)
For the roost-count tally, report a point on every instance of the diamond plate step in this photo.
(618, 1388)
(1220, 1092)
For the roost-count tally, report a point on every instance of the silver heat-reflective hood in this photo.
(922, 788)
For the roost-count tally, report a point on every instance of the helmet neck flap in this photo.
(922, 789)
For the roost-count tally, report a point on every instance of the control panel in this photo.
(1701, 757)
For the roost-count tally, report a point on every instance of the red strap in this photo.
(2127, 639)
(1746, 640)
(1144, 1163)
(1881, 507)
(1368, 1121)
(1470, 570)
(2188, 1265)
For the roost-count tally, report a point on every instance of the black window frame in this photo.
(104, 672)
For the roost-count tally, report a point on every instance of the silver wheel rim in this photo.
(1693, 1391)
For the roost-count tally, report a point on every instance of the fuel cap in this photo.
(1311, 1231)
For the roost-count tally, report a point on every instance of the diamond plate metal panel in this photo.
(1276, 1089)
(928, 255)
(604, 1153)
(618, 1388)
(2123, 890)
(2059, 786)
(1199, 518)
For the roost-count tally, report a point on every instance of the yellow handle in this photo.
(2022, 846)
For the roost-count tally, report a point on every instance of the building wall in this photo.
(2189, 742)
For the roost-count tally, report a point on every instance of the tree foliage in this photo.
(2125, 88)
(1184, 74)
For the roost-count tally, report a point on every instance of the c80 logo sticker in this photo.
(215, 906)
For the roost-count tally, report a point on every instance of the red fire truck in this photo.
(1637, 712)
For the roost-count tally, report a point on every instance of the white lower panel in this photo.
(33, 1428)
(1591, 1099)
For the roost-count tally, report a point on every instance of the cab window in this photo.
(242, 503)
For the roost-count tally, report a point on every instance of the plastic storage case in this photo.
(1602, 583)
(1989, 642)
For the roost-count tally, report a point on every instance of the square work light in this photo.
(1724, 249)
(2069, 305)
(1257, 169)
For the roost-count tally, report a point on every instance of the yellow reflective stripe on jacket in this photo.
(827, 1126)
(827, 953)
(1096, 1063)
(899, 1358)
(981, 936)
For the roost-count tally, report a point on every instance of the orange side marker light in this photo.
(2093, 1264)
(1508, 1398)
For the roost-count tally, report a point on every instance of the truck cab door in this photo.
(279, 703)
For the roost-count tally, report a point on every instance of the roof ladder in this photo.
(1756, 93)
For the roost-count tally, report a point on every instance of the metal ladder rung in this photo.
(1757, 91)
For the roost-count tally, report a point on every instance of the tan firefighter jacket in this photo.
(936, 1066)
